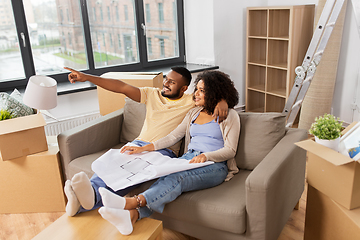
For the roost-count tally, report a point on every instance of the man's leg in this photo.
(93, 200)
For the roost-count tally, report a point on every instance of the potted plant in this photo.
(327, 131)
(5, 114)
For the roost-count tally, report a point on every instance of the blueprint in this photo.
(121, 170)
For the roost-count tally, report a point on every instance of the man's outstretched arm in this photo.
(113, 85)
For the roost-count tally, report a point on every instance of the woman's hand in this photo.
(198, 159)
(134, 149)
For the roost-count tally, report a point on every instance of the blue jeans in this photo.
(97, 182)
(166, 189)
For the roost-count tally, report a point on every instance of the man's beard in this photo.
(174, 95)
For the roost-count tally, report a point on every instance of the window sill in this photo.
(67, 87)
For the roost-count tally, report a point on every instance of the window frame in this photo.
(144, 63)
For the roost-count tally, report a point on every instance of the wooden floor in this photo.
(26, 226)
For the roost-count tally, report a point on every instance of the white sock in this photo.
(84, 191)
(73, 204)
(111, 200)
(119, 218)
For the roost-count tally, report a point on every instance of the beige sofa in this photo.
(255, 204)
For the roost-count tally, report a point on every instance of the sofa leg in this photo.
(297, 206)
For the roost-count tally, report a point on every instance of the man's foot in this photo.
(81, 185)
(73, 204)
(119, 218)
(111, 200)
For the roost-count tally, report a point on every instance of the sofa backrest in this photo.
(259, 133)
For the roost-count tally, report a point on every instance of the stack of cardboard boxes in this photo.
(30, 172)
(333, 198)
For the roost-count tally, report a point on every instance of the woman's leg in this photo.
(168, 188)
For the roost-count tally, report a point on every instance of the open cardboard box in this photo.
(333, 173)
(110, 101)
(22, 136)
(327, 220)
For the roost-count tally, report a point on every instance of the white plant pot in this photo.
(333, 144)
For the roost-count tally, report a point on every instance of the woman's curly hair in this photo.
(217, 86)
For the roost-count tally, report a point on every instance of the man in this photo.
(165, 109)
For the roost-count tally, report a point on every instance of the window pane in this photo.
(161, 32)
(11, 66)
(56, 35)
(120, 26)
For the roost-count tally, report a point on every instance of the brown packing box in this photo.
(33, 183)
(22, 136)
(110, 101)
(332, 173)
(327, 220)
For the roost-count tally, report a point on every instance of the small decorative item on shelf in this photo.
(327, 131)
(5, 114)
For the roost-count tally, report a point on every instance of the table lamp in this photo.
(41, 93)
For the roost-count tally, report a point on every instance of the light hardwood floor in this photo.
(26, 226)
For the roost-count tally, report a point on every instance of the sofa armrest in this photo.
(275, 186)
(91, 137)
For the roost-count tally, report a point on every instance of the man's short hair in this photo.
(184, 72)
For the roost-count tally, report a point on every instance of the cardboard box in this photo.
(32, 183)
(110, 101)
(327, 220)
(22, 136)
(333, 173)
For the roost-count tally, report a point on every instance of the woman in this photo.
(205, 140)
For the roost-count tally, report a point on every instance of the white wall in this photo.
(229, 39)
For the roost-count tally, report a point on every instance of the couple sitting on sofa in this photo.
(207, 138)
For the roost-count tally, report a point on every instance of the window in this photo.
(126, 13)
(109, 14)
(117, 13)
(68, 15)
(149, 45)
(147, 13)
(119, 41)
(70, 40)
(161, 12)
(48, 42)
(162, 47)
(61, 15)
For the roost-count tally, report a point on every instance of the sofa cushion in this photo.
(83, 164)
(259, 133)
(221, 207)
(134, 116)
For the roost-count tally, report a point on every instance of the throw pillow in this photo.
(259, 134)
(134, 117)
(13, 103)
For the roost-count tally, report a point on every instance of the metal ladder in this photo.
(305, 72)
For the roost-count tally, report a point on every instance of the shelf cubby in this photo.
(257, 51)
(279, 20)
(278, 53)
(276, 81)
(274, 103)
(258, 23)
(256, 101)
(257, 75)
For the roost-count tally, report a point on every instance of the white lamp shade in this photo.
(41, 93)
